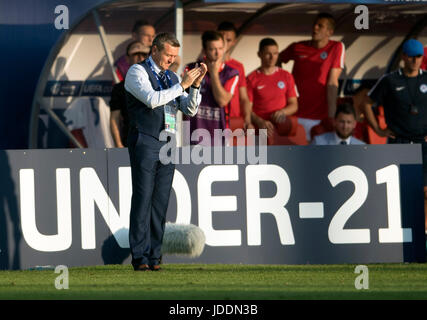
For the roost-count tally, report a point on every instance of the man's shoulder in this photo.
(137, 67)
(121, 59)
(356, 141)
(334, 48)
(390, 77)
(230, 71)
(284, 74)
(136, 73)
(325, 137)
(302, 43)
(234, 63)
(335, 43)
(253, 75)
(423, 74)
(296, 46)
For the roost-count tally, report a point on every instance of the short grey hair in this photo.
(165, 37)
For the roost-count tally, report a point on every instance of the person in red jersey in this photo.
(424, 63)
(272, 91)
(317, 66)
(240, 105)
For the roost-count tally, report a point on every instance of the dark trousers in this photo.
(423, 151)
(151, 187)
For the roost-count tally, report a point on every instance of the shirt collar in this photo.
(401, 72)
(338, 139)
(155, 66)
(221, 67)
(260, 71)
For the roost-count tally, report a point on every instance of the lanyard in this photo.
(157, 76)
(158, 79)
(413, 109)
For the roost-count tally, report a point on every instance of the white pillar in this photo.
(179, 32)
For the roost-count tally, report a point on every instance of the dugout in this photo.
(78, 65)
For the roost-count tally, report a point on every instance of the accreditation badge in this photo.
(170, 119)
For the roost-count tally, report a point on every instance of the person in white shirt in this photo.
(153, 96)
(345, 123)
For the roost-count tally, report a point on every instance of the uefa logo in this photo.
(55, 89)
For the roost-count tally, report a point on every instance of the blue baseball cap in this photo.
(413, 48)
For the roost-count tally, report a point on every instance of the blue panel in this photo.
(27, 27)
(308, 1)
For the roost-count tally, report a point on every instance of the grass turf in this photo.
(220, 282)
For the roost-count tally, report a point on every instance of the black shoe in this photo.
(155, 267)
(141, 267)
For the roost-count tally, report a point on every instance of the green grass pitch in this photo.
(220, 282)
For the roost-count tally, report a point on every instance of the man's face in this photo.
(214, 50)
(164, 58)
(145, 35)
(321, 30)
(230, 39)
(344, 125)
(269, 56)
(412, 63)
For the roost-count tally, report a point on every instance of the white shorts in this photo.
(308, 124)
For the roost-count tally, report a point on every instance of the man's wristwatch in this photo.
(193, 86)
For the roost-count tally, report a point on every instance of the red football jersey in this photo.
(311, 70)
(270, 93)
(424, 63)
(235, 103)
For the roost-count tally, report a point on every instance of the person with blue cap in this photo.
(403, 95)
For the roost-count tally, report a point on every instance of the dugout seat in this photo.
(373, 138)
(291, 132)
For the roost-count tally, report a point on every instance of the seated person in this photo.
(344, 123)
(272, 91)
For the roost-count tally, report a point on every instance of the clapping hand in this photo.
(189, 77)
(203, 69)
(194, 76)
